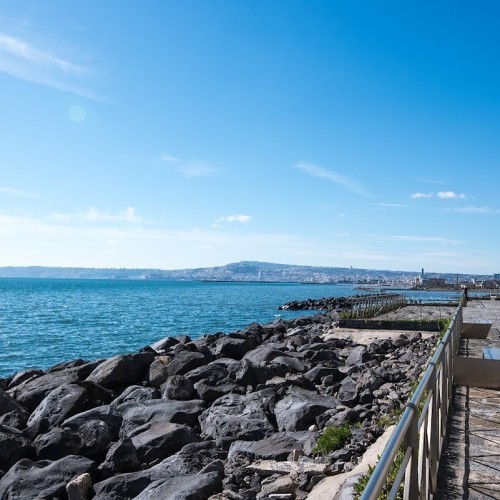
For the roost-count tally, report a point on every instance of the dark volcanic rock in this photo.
(163, 411)
(212, 372)
(57, 443)
(299, 409)
(184, 361)
(31, 392)
(121, 457)
(210, 393)
(135, 394)
(358, 356)
(120, 371)
(227, 347)
(158, 440)
(193, 487)
(158, 373)
(177, 387)
(129, 485)
(318, 372)
(13, 447)
(348, 392)
(105, 413)
(59, 404)
(276, 447)
(12, 414)
(96, 437)
(44, 479)
(239, 417)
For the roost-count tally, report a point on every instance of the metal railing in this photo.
(368, 306)
(420, 433)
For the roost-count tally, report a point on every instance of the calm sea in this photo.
(46, 321)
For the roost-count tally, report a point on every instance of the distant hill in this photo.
(238, 271)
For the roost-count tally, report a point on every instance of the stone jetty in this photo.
(226, 416)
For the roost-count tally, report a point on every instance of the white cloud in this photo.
(20, 59)
(17, 192)
(477, 210)
(416, 196)
(231, 218)
(93, 214)
(330, 175)
(448, 195)
(442, 195)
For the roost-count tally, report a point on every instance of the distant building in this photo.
(496, 276)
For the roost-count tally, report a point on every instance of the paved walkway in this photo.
(470, 463)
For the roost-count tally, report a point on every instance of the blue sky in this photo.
(197, 133)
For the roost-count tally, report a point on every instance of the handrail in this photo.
(421, 429)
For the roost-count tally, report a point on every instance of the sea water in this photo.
(47, 321)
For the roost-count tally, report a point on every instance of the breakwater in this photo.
(222, 416)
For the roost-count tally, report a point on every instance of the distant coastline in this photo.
(246, 271)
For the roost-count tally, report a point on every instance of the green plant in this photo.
(333, 438)
(360, 486)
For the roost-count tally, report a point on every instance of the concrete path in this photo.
(470, 463)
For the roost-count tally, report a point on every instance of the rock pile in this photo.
(324, 304)
(224, 417)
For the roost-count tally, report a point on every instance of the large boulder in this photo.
(299, 409)
(130, 484)
(348, 393)
(121, 371)
(358, 356)
(135, 394)
(12, 413)
(13, 447)
(276, 447)
(58, 405)
(228, 347)
(177, 387)
(121, 457)
(163, 411)
(193, 487)
(105, 413)
(239, 417)
(57, 443)
(158, 440)
(184, 361)
(32, 392)
(43, 479)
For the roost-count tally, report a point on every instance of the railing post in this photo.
(411, 441)
(435, 430)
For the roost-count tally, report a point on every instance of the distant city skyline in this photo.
(192, 134)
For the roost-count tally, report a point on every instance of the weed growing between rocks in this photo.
(360, 486)
(332, 439)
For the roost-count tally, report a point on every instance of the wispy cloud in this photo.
(477, 210)
(442, 195)
(93, 214)
(189, 170)
(421, 239)
(20, 59)
(219, 221)
(416, 196)
(17, 192)
(392, 205)
(332, 176)
(449, 195)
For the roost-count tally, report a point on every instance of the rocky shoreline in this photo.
(226, 416)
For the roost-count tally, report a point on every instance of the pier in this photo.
(449, 432)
